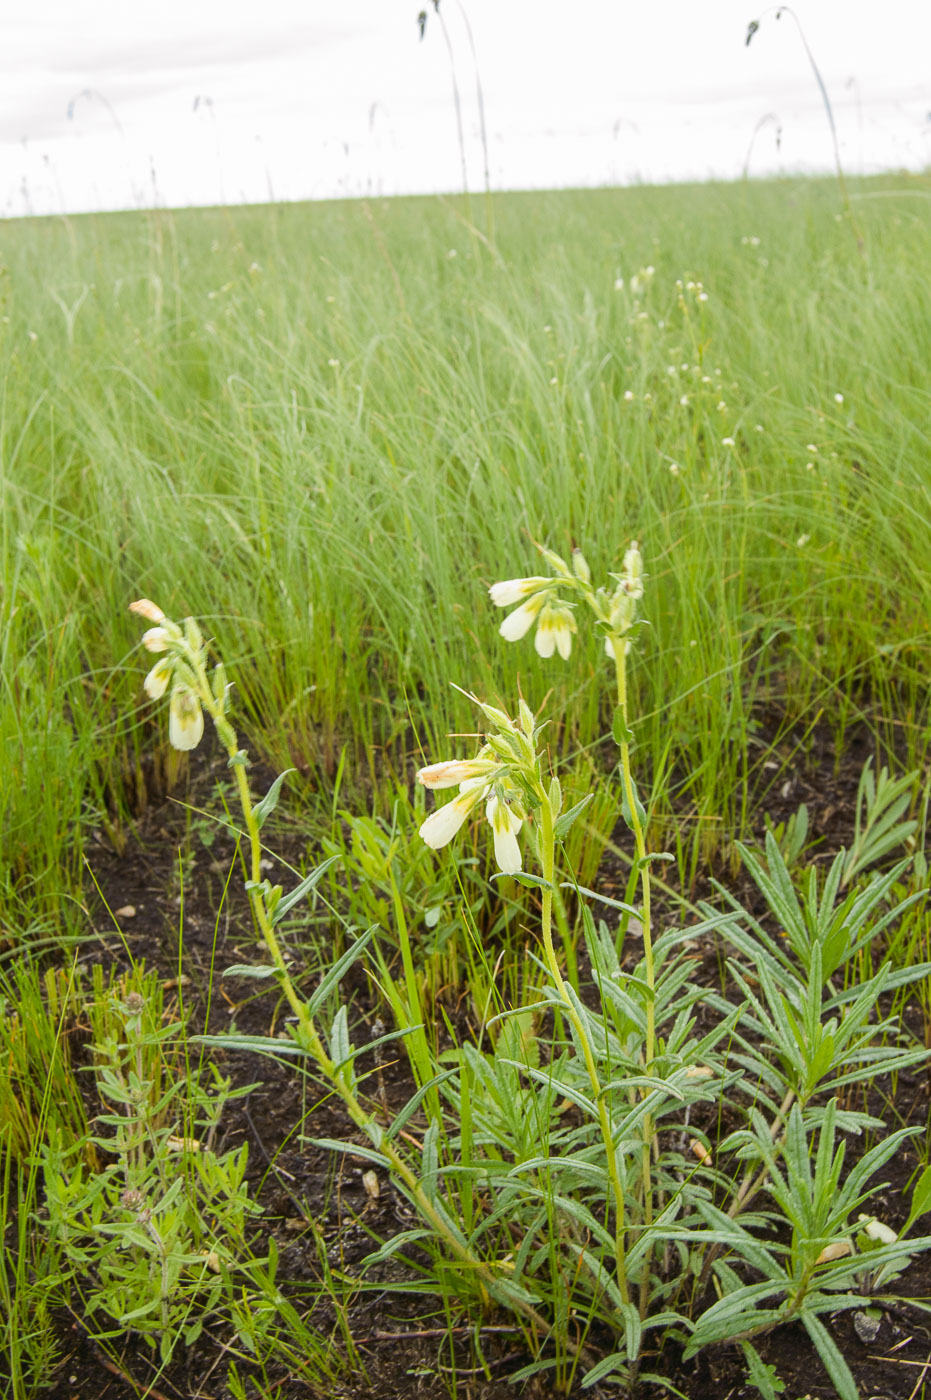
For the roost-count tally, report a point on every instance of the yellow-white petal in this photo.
(563, 635)
(185, 719)
(518, 623)
(544, 643)
(882, 1233)
(511, 590)
(156, 639)
(441, 826)
(505, 825)
(454, 772)
(157, 681)
(144, 607)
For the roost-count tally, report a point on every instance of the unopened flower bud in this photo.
(193, 635)
(527, 721)
(144, 607)
(580, 566)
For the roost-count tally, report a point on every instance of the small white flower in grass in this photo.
(727, 442)
(684, 401)
(554, 632)
(628, 396)
(838, 398)
(185, 719)
(810, 447)
(505, 824)
(802, 541)
(618, 284)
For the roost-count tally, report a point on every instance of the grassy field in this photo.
(325, 431)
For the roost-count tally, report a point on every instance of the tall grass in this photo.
(346, 420)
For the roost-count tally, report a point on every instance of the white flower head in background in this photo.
(541, 604)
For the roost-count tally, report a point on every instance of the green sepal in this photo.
(240, 759)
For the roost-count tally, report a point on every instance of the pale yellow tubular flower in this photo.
(156, 639)
(455, 771)
(147, 609)
(518, 623)
(554, 633)
(512, 590)
(442, 825)
(158, 679)
(505, 824)
(185, 719)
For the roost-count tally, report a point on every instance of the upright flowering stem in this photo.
(547, 865)
(620, 664)
(189, 660)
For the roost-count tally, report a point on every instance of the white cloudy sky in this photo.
(198, 101)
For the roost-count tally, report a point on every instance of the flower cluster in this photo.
(553, 618)
(181, 656)
(540, 602)
(503, 775)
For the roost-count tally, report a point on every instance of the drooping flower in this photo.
(518, 623)
(505, 824)
(156, 639)
(554, 632)
(442, 825)
(158, 679)
(185, 719)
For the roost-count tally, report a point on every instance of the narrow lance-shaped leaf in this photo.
(263, 810)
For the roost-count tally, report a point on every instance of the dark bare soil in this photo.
(407, 1348)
